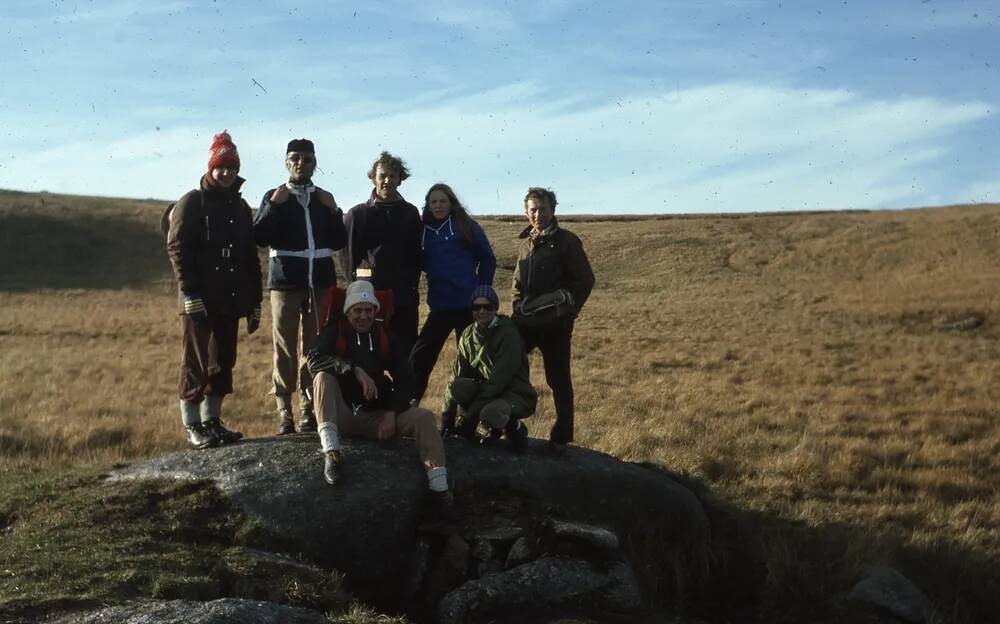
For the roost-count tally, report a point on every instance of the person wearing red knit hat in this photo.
(211, 247)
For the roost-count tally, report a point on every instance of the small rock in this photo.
(501, 533)
(603, 539)
(522, 551)
(541, 586)
(483, 550)
(885, 589)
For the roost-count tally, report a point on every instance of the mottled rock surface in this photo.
(223, 611)
(543, 585)
(368, 528)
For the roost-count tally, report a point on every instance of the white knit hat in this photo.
(360, 291)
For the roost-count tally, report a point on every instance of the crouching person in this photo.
(490, 382)
(363, 386)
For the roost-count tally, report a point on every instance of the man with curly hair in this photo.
(383, 236)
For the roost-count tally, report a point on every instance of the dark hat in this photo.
(223, 152)
(486, 291)
(300, 145)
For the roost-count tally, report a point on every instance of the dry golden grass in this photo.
(801, 364)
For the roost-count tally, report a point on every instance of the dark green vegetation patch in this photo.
(77, 541)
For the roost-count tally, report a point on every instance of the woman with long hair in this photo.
(457, 258)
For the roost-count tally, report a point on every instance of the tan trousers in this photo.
(416, 422)
(292, 311)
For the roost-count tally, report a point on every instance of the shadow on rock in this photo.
(536, 535)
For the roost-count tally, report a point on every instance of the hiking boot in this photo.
(286, 424)
(307, 422)
(225, 436)
(200, 437)
(554, 449)
(448, 425)
(517, 436)
(332, 467)
(489, 436)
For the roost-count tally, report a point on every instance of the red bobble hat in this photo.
(223, 152)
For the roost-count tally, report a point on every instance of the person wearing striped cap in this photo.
(211, 247)
(303, 226)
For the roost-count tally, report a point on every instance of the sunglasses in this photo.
(476, 307)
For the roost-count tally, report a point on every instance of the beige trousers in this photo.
(291, 311)
(416, 422)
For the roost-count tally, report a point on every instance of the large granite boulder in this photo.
(587, 509)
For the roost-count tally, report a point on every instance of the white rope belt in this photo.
(322, 252)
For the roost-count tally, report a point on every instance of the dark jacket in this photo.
(387, 234)
(283, 228)
(495, 356)
(554, 260)
(211, 247)
(395, 389)
(454, 268)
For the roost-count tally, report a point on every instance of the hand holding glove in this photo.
(253, 320)
(280, 195)
(194, 307)
(317, 362)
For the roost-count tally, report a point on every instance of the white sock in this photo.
(329, 437)
(437, 479)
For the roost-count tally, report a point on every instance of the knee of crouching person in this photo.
(464, 390)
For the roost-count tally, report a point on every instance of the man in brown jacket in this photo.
(211, 247)
(551, 264)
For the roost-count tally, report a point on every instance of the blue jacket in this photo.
(283, 228)
(453, 268)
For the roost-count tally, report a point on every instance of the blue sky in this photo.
(672, 106)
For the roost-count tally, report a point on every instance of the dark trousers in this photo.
(554, 343)
(404, 326)
(437, 327)
(208, 357)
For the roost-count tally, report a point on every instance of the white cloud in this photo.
(980, 192)
(720, 148)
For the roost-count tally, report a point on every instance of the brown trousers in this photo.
(292, 311)
(416, 422)
(208, 356)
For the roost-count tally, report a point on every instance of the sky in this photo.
(667, 106)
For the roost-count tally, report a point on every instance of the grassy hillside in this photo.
(834, 375)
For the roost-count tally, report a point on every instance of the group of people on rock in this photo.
(357, 356)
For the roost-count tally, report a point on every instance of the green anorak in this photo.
(496, 357)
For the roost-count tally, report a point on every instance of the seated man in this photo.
(363, 386)
(490, 382)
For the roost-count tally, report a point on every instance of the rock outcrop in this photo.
(222, 611)
(535, 532)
